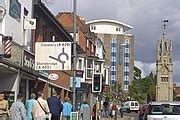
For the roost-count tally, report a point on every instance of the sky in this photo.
(145, 16)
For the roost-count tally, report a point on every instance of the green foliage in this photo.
(143, 90)
(116, 93)
(137, 73)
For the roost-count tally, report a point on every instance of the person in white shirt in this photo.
(40, 108)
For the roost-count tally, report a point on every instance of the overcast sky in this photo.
(144, 15)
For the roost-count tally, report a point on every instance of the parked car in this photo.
(131, 106)
(143, 109)
(163, 111)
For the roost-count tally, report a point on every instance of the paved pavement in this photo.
(119, 118)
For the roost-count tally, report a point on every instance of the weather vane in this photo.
(164, 25)
(165, 21)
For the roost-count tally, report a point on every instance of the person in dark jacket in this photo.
(55, 106)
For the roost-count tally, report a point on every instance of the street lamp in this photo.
(74, 54)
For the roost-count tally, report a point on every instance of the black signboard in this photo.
(15, 10)
(79, 73)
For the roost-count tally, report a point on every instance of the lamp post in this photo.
(74, 54)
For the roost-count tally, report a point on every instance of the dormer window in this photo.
(93, 27)
(118, 29)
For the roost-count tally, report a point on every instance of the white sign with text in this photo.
(53, 56)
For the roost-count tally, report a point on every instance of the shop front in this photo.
(29, 76)
(10, 74)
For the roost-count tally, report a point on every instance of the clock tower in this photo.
(164, 68)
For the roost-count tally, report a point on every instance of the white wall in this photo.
(105, 28)
(14, 28)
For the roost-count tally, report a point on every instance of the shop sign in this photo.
(29, 23)
(77, 82)
(53, 76)
(28, 62)
(15, 10)
(16, 54)
(79, 73)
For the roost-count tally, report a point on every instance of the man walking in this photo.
(67, 109)
(40, 109)
(18, 111)
(106, 108)
(55, 106)
(29, 106)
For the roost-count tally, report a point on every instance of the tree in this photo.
(144, 89)
(137, 73)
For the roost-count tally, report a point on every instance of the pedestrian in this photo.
(18, 111)
(29, 106)
(83, 106)
(55, 106)
(113, 110)
(106, 108)
(94, 112)
(67, 109)
(40, 108)
(4, 112)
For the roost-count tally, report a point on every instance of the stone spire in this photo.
(164, 68)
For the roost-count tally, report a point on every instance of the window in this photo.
(126, 73)
(126, 68)
(113, 63)
(113, 68)
(164, 79)
(113, 77)
(119, 56)
(80, 64)
(92, 47)
(126, 64)
(113, 44)
(87, 43)
(114, 40)
(126, 54)
(127, 41)
(89, 63)
(113, 49)
(113, 54)
(126, 87)
(132, 104)
(126, 50)
(118, 29)
(126, 59)
(93, 27)
(126, 78)
(89, 73)
(113, 72)
(97, 68)
(113, 82)
(126, 82)
(89, 69)
(113, 59)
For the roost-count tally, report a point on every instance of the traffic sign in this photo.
(53, 56)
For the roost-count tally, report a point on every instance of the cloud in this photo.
(146, 68)
(144, 15)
